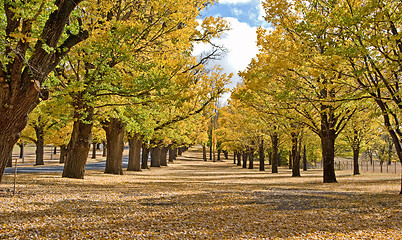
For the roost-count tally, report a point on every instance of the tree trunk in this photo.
(251, 159)
(10, 161)
(63, 153)
(234, 157)
(219, 154)
(55, 150)
(144, 157)
(21, 88)
(115, 145)
(304, 158)
(171, 154)
(356, 152)
(262, 156)
(40, 142)
(238, 158)
(245, 156)
(210, 153)
(163, 159)
(93, 151)
(104, 149)
(156, 156)
(290, 160)
(179, 151)
(226, 154)
(79, 145)
(275, 155)
(204, 153)
(21, 150)
(328, 156)
(295, 156)
(328, 136)
(270, 157)
(134, 154)
(39, 152)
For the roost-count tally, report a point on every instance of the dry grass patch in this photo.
(192, 199)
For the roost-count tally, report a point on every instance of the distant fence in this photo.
(364, 166)
(369, 166)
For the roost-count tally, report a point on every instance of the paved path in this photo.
(36, 169)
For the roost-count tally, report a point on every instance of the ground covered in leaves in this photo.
(192, 199)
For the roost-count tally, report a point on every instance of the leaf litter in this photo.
(175, 203)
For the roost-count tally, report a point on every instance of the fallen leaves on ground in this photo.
(193, 199)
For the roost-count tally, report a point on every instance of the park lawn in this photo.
(192, 199)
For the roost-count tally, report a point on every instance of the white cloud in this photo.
(240, 42)
(261, 11)
(241, 46)
(237, 11)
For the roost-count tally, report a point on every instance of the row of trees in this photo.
(330, 68)
(121, 66)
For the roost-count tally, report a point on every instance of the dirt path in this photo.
(193, 199)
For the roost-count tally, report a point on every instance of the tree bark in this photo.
(163, 159)
(204, 153)
(234, 157)
(275, 155)
(179, 151)
(80, 141)
(156, 156)
(171, 154)
(304, 158)
(270, 157)
(144, 156)
(63, 153)
(219, 155)
(251, 159)
(295, 156)
(93, 151)
(356, 152)
(210, 153)
(328, 156)
(21, 84)
(328, 135)
(21, 150)
(261, 154)
(290, 160)
(115, 143)
(104, 149)
(39, 152)
(226, 154)
(238, 158)
(244, 158)
(40, 141)
(10, 161)
(134, 154)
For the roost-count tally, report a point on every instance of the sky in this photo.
(244, 16)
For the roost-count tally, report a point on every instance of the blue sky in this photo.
(244, 16)
(247, 11)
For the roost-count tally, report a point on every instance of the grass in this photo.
(192, 199)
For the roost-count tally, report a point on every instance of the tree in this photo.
(370, 41)
(292, 65)
(159, 33)
(364, 36)
(34, 42)
(41, 124)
